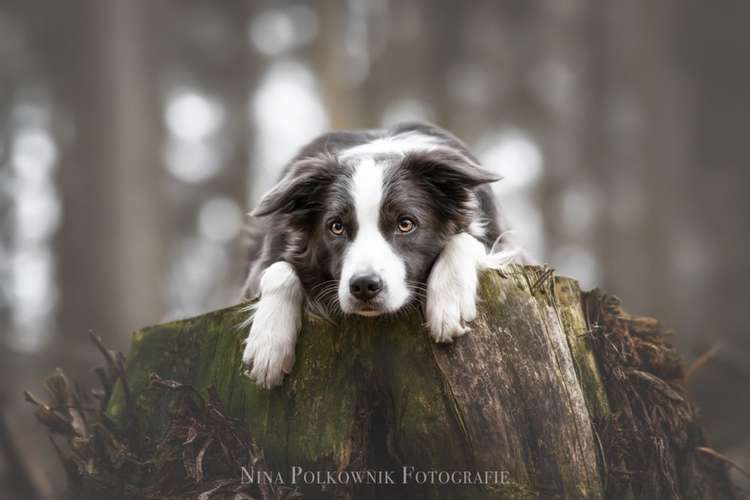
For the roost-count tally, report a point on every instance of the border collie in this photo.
(368, 223)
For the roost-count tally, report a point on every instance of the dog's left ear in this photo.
(298, 191)
(449, 168)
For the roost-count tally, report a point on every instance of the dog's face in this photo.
(367, 222)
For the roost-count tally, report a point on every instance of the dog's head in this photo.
(367, 213)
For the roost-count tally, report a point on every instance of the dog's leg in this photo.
(269, 348)
(452, 286)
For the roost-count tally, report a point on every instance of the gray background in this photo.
(135, 134)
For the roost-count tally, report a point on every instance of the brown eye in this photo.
(337, 228)
(406, 225)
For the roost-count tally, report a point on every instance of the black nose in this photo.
(365, 286)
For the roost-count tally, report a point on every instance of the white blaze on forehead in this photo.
(367, 191)
(370, 252)
(400, 144)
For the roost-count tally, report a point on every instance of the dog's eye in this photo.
(406, 225)
(337, 228)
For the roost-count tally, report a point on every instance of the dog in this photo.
(369, 223)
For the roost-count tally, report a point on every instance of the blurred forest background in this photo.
(135, 134)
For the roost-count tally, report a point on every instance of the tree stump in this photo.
(554, 393)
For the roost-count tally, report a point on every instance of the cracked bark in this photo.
(531, 390)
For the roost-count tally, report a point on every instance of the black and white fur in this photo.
(370, 222)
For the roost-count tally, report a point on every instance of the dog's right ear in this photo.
(298, 192)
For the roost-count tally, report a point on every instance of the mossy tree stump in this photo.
(534, 392)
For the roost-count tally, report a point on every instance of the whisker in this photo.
(327, 290)
(324, 283)
(326, 297)
(330, 286)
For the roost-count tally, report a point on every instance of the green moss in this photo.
(568, 300)
(346, 373)
(513, 490)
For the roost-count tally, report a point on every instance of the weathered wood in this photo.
(503, 398)
(533, 391)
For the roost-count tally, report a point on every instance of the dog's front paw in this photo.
(269, 350)
(452, 288)
(450, 304)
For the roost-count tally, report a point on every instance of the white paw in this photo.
(452, 288)
(450, 305)
(276, 321)
(269, 352)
